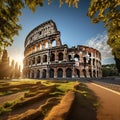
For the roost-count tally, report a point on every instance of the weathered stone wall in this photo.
(46, 57)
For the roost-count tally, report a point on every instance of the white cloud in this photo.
(99, 42)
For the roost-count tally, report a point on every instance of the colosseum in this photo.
(46, 57)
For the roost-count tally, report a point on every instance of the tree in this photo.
(108, 11)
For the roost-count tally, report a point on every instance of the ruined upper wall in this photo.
(43, 30)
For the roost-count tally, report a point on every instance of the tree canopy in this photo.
(107, 11)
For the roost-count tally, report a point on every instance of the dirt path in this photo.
(21, 110)
(110, 103)
(10, 97)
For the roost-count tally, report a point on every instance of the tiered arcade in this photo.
(46, 57)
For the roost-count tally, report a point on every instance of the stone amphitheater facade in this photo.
(46, 57)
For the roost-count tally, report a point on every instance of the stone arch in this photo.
(76, 57)
(68, 72)
(38, 73)
(44, 58)
(60, 56)
(46, 45)
(52, 57)
(84, 72)
(33, 60)
(38, 59)
(51, 73)
(60, 72)
(44, 73)
(94, 73)
(77, 73)
(90, 73)
(32, 76)
(53, 43)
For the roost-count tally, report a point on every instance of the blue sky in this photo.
(75, 27)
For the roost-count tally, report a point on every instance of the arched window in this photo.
(51, 73)
(76, 57)
(46, 45)
(32, 74)
(53, 43)
(90, 73)
(33, 61)
(68, 72)
(52, 57)
(40, 47)
(60, 56)
(94, 73)
(84, 72)
(38, 59)
(38, 73)
(60, 73)
(45, 58)
(44, 73)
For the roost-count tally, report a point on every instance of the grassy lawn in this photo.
(41, 89)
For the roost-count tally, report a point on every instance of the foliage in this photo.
(108, 11)
(9, 12)
(109, 70)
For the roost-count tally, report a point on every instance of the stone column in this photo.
(64, 72)
(58, 42)
(41, 73)
(47, 72)
(49, 44)
(56, 56)
(73, 72)
(55, 72)
(65, 54)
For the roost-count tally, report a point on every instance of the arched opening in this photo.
(60, 56)
(77, 73)
(89, 61)
(46, 45)
(69, 57)
(60, 73)
(44, 73)
(38, 59)
(68, 72)
(84, 73)
(33, 61)
(51, 73)
(84, 61)
(76, 57)
(32, 74)
(53, 43)
(90, 73)
(40, 47)
(38, 73)
(52, 57)
(94, 73)
(44, 58)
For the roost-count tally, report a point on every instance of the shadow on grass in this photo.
(85, 105)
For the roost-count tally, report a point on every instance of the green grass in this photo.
(86, 96)
(6, 93)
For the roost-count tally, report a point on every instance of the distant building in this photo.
(7, 70)
(46, 57)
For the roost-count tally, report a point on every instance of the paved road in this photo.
(109, 102)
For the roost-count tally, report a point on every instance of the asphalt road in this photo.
(109, 108)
